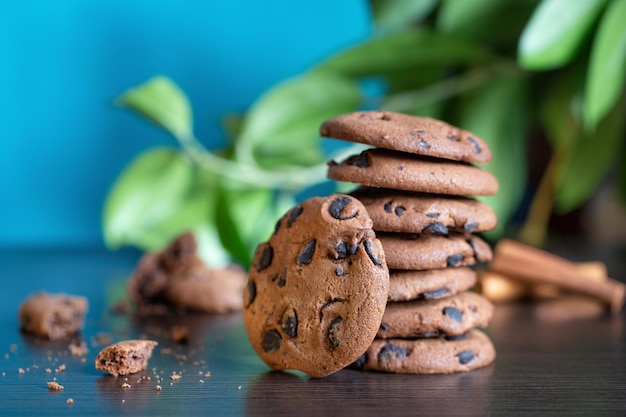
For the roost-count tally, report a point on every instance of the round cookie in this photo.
(401, 211)
(431, 284)
(317, 290)
(413, 134)
(402, 171)
(430, 251)
(451, 316)
(441, 355)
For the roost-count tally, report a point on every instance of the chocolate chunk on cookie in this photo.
(317, 289)
(125, 357)
(413, 134)
(177, 277)
(431, 284)
(430, 251)
(53, 316)
(402, 171)
(441, 355)
(452, 316)
(406, 212)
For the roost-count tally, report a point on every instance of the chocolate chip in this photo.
(360, 161)
(266, 258)
(352, 249)
(277, 225)
(385, 117)
(428, 334)
(251, 293)
(421, 131)
(289, 323)
(452, 137)
(474, 253)
(423, 144)
(282, 279)
(475, 143)
(434, 294)
(454, 313)
(436, 227)
(383, 326)
(387, 207)
(470, 227)
(306, 254)
(399, 210)
(454, 260)
(360, 362)
(338, 207)
(390, 351)
(432, 214)
(368, 249)
(455, 338)
(293, 215)
(339, 271)
(334, 331)
(465, 357)
(342, 251)
(271, 340)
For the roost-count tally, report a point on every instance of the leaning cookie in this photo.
(53, 316)
(402, 171)
(451, 316)
(441, 355)
(430, 284)
(317, 289)
(406, 212)
(413, 134)
(428, 251)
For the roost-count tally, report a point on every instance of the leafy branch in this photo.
(500, 69)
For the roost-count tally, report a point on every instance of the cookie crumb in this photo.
(69, 401)
(61, 368)
(126, 385)
(201, 381)
(175, 377)
(78, 349)
(21, 371)
(55, 386)
(207, 375)
(48, 370)
(158, 388)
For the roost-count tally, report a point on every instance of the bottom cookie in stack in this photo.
(437, 330)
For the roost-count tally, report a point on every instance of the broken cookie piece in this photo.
(53, 316)
(125, 357)
(177, 277)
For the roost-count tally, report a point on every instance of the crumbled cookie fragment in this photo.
(125, 357)
(78, 349)
(177, 277)
(52, 316)
(55, 386)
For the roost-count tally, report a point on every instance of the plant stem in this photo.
(450, 87)
(247, 173)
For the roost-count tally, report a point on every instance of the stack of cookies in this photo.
(417, 184)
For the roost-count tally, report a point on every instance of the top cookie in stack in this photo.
(417, 184)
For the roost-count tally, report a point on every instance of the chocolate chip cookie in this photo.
(442, 355)
(431, 284)
(413, 134)
(402, 171)
(317, 289)
(451, 316)
(402, 211)
(429, 251)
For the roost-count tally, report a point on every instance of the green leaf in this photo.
(239, 212)
(163, 103)
(504, 101)
(555, 31)
(283, 124)
(149, 190)
(392, 16)
(591, 159)
(607, 66)
(406, 50)
(497, 22)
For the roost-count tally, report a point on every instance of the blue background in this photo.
(63, 62)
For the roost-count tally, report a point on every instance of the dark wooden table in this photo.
(544, 366)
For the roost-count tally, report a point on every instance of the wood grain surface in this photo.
(551, 360)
